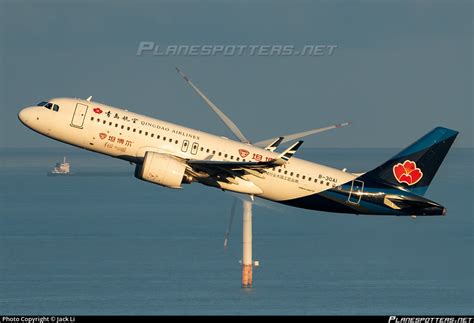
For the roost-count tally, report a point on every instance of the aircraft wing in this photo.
(236, 169)
(231, 165)
(219, 169)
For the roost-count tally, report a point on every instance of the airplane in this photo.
(171, 155)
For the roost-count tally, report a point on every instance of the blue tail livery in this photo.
(414, 168)
(394, 188)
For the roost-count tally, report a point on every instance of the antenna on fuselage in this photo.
(89, 98)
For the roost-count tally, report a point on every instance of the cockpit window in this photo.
(49, 105)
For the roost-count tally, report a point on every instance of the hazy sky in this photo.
(399, 69)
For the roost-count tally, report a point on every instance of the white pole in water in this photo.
(247, 245)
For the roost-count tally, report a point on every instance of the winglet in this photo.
(274, 145)
(288, 153)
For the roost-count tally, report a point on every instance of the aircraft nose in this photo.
(24, 115)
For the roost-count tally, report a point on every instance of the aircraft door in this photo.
(79, 115)
(184, 146)
(194, 148)
(357, 188)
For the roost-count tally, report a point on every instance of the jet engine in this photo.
(162, 170)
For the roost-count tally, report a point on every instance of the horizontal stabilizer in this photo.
(405, 202)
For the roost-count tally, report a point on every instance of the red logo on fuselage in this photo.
(97, 110)
(407, 172)
(102, 135)
(243, 153)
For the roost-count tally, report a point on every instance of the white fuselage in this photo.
(123, 134)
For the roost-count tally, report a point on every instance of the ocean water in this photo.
(104, 242)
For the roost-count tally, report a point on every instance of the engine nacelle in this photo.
(161, 169)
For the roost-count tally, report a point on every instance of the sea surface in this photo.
(103, 242)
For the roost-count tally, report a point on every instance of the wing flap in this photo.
(231, 165)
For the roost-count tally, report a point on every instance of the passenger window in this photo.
(122, 126)
(128, 128)
(134, 130)
(207, 150)
(140, 132)
(146, 133)
(110, 123)
(55, 108)
(152, 135)
(92, 118)
(157, 136)
(104, 122)
(116, 125)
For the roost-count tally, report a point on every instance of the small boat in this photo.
(61, 169)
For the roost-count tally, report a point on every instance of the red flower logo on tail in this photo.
(243, 153)
(407, 172)
(97, 110)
